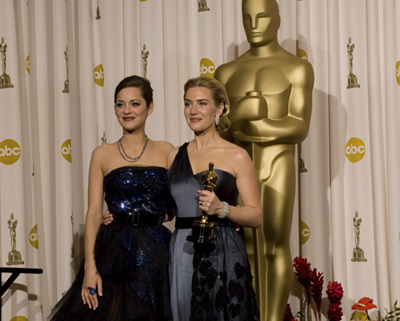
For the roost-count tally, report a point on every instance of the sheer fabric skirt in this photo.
(222, 280)
(133, 263)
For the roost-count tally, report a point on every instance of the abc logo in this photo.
(398, 72)
(99, 75)
(33, 239)
(207, 67)
(66, 150)
(28, 65)
(355, 150)
(302, 54)
(9, 151)
(305, 233)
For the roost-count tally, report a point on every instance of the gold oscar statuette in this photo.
(352, 81)
(66, 82)
(98, 16)
(270, 95)
(14, 256)
(5, 80)
(358, 253)
(145, 56)
(202, 230)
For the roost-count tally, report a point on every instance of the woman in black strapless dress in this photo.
(211, 282)
(125, 273)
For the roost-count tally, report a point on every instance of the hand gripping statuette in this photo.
(202, 230)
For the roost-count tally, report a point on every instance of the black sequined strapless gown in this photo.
(131, 253)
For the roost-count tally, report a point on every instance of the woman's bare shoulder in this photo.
(234, 149)
(103, 149)
(236, 155)
(163, 145)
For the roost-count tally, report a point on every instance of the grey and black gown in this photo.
(207, 285)
(131, 253)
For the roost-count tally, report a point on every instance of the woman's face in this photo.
(131, 109)
(200, 109)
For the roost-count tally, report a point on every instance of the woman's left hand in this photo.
(210, 203)
(107, 218)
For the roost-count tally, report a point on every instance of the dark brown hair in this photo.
(139, 82)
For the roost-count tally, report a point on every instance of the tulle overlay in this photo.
(132, 260)
(222, 281)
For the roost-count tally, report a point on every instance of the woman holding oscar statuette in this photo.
(211, 281)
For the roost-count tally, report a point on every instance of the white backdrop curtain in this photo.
(47, 134)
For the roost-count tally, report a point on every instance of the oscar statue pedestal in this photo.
(202, 232)
(14, 258)
(358, 255)
(5, 81)
(352, 81)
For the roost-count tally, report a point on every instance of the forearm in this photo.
(91, 228)
(248, 216)
(290, 130)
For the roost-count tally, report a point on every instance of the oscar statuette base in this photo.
(352, 81)
(5, 81)
(358, 255)
(202, 232)
(14, 258)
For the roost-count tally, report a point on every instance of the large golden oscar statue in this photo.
(270, 92)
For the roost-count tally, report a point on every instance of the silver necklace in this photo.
(125, 155)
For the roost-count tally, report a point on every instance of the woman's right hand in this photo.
(92, 282)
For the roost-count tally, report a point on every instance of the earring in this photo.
(217, 118)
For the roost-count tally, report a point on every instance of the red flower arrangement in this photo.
(334, 292)
(304, 274)
(317, 283)
(335, 295)
(312, 282)
(334, 312)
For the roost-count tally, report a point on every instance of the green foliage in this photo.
(393, 314)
